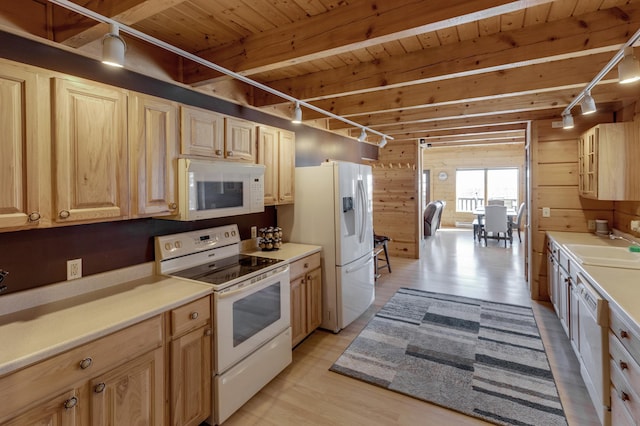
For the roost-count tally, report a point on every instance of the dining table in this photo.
(479, 212)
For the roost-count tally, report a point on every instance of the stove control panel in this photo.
(185, 243)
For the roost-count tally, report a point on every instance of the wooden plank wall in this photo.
(626, 211)
(395, 197)
(554, 184)
(450, 159)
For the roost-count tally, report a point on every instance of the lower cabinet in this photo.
(624, 351)
(191, 363)
(306, 297)
(121, 379)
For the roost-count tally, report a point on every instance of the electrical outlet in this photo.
(546, 212)
(74, 269)
(254, 232)
(591, 225)
(635, 225)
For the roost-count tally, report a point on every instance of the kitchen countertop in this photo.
(289, 252)
(620, 286)
(38, 332)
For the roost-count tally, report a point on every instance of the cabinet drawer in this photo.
(629, 368)
(624, 333)
(553, 249)
(623, 394)
(620, 416)
(190, 316)
(563, 260)
(304, 265)
(20, 389)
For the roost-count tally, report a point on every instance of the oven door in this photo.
(250, 314)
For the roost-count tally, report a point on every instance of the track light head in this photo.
(363, 135)
(567, 121)
(297, 114)
(588, 104)
(113, 48)
(383, 142)
(629, 67)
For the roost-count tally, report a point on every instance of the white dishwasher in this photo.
(593, 352)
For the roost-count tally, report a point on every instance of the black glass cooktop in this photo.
(224, 270)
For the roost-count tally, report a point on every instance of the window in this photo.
(475, 187)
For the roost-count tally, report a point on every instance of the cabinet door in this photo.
(313, 287)
(564, 288)
(153, 139)
(240, 140)
(202, 132)
(20, 148)
(298, 310)
(191, 368)
(91, 176)
(268, 156)
(61, 410)
(131, 393)
(286, 167)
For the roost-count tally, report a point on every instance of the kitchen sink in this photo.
(616, 257)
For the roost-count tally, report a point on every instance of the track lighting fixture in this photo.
(588, 104)
(113, 48)
(383, 142)
(629, 67)
(567, 121)
(297, 114)
(363, 135)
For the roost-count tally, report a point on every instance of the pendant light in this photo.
(629, 67)
(383, 142)
(297, 114)
(113, 48)
(588, 104)
(363, 135)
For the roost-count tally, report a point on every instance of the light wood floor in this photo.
(307, 393)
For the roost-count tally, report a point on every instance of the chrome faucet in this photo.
(613, 236)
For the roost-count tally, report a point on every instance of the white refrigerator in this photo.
(333, 208)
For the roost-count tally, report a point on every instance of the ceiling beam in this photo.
(358, 25)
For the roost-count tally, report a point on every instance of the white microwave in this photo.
(210, 189)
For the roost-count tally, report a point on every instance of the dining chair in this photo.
(495, 202)
(518, 222)
(496, 224)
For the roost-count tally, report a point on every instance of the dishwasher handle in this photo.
(596, 304)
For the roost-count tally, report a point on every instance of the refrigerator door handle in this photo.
(363, 210)
(360, 266)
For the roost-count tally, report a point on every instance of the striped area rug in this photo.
(481, 358)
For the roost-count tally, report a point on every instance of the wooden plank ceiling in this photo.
(453, 72)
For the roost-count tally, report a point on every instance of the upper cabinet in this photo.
(153, 147)
(206, 133)
(89, 151)
(22, 169)
(202, 132)
(607, 163)
(276, 150)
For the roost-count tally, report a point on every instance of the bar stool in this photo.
(380, 246)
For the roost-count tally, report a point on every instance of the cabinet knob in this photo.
(86, 363)
(623, 334)
(624, 396)
(99, 388)
(306, 265)
(566, 280)
(64, 214)
(173, 206)
(218, 152)
(34, 217)
(71, 402)
(208, 332)
(623, 365)
(229, 153)
(194, 315)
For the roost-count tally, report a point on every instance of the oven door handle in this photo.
(226, 294)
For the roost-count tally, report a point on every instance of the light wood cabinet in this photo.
(89, 151)
(191, 363)
(624, 350)
(153, 149)
(23, 169)
(607, 161)
(276, 151)
(240, 140)
(201, 132)
(306, 297)
(121, 374)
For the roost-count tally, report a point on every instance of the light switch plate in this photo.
(546, 212)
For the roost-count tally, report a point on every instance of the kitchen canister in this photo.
(270, 238)
(602, 226)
